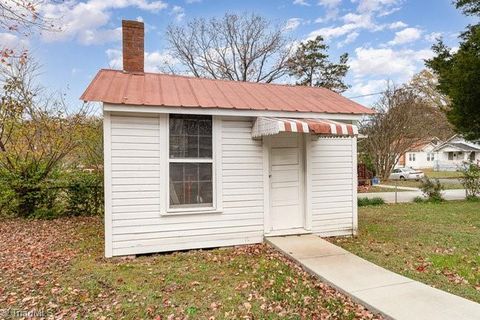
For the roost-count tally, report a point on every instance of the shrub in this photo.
(362, 202)
(432, 189)
(473, 198)
(83, 194)
(28, 196)
(471, 179)
(418, 199)
(73, 193)
(6, 199)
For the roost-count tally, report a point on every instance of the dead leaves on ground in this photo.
(33, 256)
(37, 256)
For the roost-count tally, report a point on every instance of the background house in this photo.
(454, 152)
(421, 155)
(196, 163)
(439, 155)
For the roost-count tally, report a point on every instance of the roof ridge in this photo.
(225, 80)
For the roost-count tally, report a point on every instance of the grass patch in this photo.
(417, 184)
(362, 202)
(442, 174)
(403, 183)
(58, 266)
(435, 243)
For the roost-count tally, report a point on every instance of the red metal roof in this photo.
(153, 89)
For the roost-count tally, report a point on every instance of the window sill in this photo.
(191, 212)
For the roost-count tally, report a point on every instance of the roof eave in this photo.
(115, 107)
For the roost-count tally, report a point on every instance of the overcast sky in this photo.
(386, 39)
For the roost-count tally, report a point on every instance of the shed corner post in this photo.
(354, 187)
(266, 184)
(308, 182)
(107, 150)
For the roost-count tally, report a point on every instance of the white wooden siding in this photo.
(138, 224)
(136, 220)
(332, 174)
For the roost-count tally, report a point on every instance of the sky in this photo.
(387, 40)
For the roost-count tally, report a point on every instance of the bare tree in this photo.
(235, 47)
(89, 154)
(22, 17)
(16, 97)
(425, 85)
(36, 133)
(403, 119)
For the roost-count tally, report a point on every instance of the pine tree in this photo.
(459, 75)
(311, 66)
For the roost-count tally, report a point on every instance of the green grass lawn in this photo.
(438, 244)
(417, 184)
(441, 174)
(58, 267)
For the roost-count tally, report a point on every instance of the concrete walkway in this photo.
(408, 196)
(378, 289)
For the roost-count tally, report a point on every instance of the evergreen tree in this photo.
(459, 76)
(311, 66)
(469, 7)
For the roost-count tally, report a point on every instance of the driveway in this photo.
(383, 291)
(408, 196)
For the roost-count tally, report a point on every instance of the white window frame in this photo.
(216, 170)
(411, 157)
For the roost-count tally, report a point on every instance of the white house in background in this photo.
(420, 156)
(197, 163)
(454, 152)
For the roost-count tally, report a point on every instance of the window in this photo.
(450, 156)
(190, 161)
(472, 156)
(430, 156)
(411, 157)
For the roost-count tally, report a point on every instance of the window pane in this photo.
(176, 193)
(191, 171)
(190, 136)
(205, 127)
(193, 187)
(192, 147)
(176, 174)
(205, 191)
(191, 127)
(205, 147)
(205, 172)
(176, 125)
(178, 146)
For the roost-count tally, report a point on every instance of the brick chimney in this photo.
(133, 45)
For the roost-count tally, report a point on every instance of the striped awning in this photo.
(267, 126)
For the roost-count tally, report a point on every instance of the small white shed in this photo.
(197, 163)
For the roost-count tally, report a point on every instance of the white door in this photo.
(286, 182)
